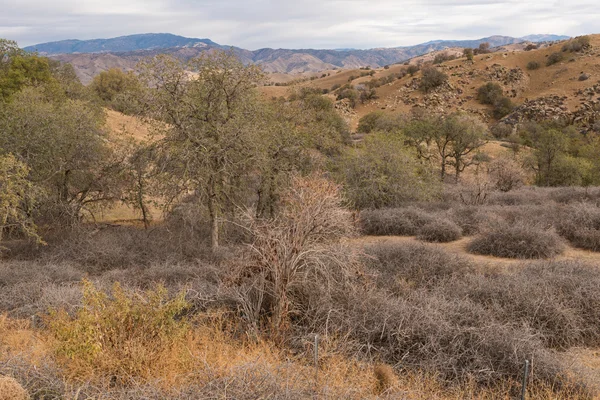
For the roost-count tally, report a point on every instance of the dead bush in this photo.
(439, 230)
(580, 224)
(557, 300)
(519, 240)
(393, 221)
(10, 389)
(415, 264)
(293, 250)
(506, 174)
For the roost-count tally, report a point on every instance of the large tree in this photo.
(205, 117)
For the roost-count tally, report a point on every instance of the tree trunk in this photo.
(214, 220)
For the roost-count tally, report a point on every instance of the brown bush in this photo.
(439, 230)
(580, 224)
(533, 65)
(416, 264)
(517, 241)
(10, 389)
(393, 221)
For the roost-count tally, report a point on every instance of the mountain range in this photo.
(90, 57)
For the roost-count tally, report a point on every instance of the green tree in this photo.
(64, 144)
(381, 172)
(207, 127)
(451, 141)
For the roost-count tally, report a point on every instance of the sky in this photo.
(254, 24)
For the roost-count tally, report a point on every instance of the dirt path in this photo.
(460, 247)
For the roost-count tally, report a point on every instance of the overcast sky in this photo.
(254, 24)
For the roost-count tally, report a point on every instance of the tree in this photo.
(206, 124)
(381, 172)
(23, 70)
(118, 89)
(68, 153)
(468, 53)
(16, 197)
(453, 140)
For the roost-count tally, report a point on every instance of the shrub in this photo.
(418, 264)
(531, 46)
(517, 241)
(501, 130)
(506, 174)
(533, 65)
(122, 334)
(412, 69)
(577, 44)
(580, 224)
(10, 389)
(502, 107)
(443, 57)
(554, 58)
(468, 53)
(393, 221)
(431, 79)
(439, 230)
(489, 93)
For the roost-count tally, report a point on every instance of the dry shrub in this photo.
(506, 174)
(385, 377)
(127, 335)
(580, 224)
(439, 230)
(557, 300)
(517, 241)
(10, 389)
(472, 219)
(393, 221)
(293, 250)
(419, 265)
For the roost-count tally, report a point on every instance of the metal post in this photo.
(316, 361)
(525, 376)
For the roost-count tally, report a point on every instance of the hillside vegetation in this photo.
(181, 234)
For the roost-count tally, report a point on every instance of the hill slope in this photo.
(93, 56)
(568, 89)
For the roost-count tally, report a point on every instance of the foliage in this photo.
(554, 58)
(16, 197)
(468, 53)
(533, 65)
(380, 121)
(489, 93)
(453, 140)
(118, 89)
(506, 174)
(382, 173)
(577, 44)
(121, 335)
(66, 149)
(432, 78)
(207, 124)
(439, 230)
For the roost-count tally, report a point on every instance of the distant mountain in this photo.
(90, 57)
(148, 41)
(545, 38)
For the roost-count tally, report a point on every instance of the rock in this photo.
(10, 389)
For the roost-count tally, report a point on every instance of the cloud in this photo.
(296, 24)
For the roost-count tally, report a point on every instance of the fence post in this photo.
(316, 361)
(525, 376)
